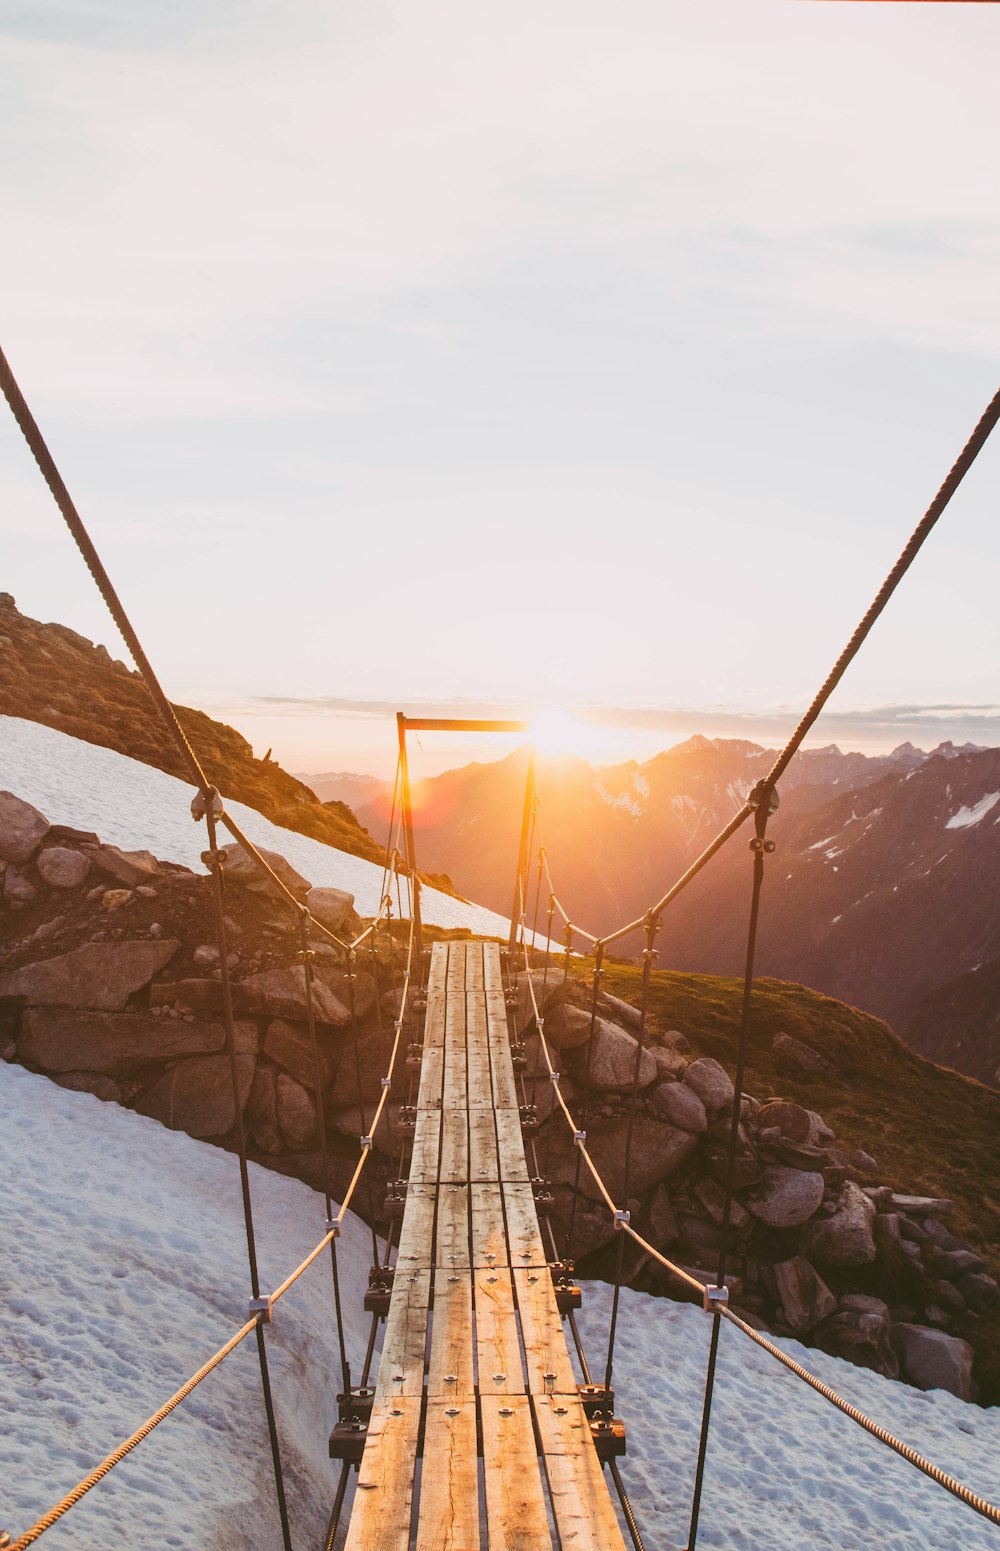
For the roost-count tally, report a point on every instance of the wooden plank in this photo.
(434, 1022)
(450, 1372)
(489, 1237)
(523, 1234)
(451, 1244)
(510, 1146)
(498, 1349)
(504, 1089)
(454, 1147)
(583, 1511)
(401, 1370)
(380, 1518)
(480, 1074)
(425, 1157)
(546, 1359)
(516, 1517)
(449, 1487)
(492, 971)
(437, 975)
(474, 968)
(455, 1094)
(483, 1165)
(416, 1237)
(456, 969)
(431, 1079)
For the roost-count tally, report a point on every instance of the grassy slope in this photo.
(51, 675)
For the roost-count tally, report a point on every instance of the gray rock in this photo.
(660, 1217)
(790, 1120)
(658, 1152)
(592, 1224)
(60, 1039)
(980, 1291)
(128, 867)
(102, 1087)
(22, 828)
(921, 1206)
(206, 955)
(677, 1041)
(548, 988)
(793, 1053)
(713, 1198)
(100, 975)
(930, 1359)
(566, 1026)
(863, 1161)
(622, 1011)
(805, 1297)
(289, 1045)
(681, 1106)
(240, 868)
(670, 1063)
(820, 1132)
(953, 1263)
(939, 1235)
(296, 1113)
(786, 1198)
(196, 1096)
(860, 1332)
(711, 1082)
(62, 868)
(607, 1063)
(281, 993)
(373, 1056)
(845, 1238)
(263, 1110)
(331, 907)
(116, 899)
(16, 887)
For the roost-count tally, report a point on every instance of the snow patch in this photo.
(966, 817)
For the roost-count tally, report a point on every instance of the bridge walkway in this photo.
(478, 1439)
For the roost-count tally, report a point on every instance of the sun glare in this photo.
(554, 733)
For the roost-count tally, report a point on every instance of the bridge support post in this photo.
(521, 879)
(411, 852)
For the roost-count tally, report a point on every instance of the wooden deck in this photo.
(477, 1440)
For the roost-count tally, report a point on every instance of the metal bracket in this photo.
(262, 1306)
(715, 1299)
(386, 1082)
(333, 1226)
(366, 1143)
(622, 1219)
(579, 1137)
(553, 1077)
(202, 803)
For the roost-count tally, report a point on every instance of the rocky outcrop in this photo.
(22, 829)
(98, 975)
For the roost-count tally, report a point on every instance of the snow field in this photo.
(131, 805)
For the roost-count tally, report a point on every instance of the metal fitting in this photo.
(202, 803)
(761, 847)
(386, 1082)
(715, 1299)
(333, 1226)
(261, 1306)
(366, 1143)
(553, 1077)
(579, 1137)
(622, 1219)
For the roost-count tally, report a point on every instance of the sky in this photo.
(547, 355)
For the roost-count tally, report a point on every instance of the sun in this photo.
(555, 733)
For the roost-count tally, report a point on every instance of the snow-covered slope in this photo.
(124, 1266)
(134, 806)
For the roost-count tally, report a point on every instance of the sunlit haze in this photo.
(572, 362)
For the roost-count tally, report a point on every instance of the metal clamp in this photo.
(204, 802)
(386, 1082)
(366, 1143)
(715, 1299)
(622, 1219)
(397, 1024)
(579, 1137)
(553, 1077)
(333, 1226)
(261, 1306)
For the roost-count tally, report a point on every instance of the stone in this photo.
(930, 1359)
(607, 1063)
(22, 829)
(677, 1041)
(281, 993)
(820, 1132)
(947, 1296)
(711, 1082)
(196, 1096)
(566, 1026)
(101, 1086)
(747, 1167)
(793, 1053)
(863, 1161)
(939, 1235)
(78, 837)
(100, 975)
(660, 1217)
(289, 1046)
(262, 1110)
(680, 1106)
(786, 1197)
(980, 1291)
(953, 1263)
(670, 1063)
(17, 888)
(335, 982)
(658, 1152)
(593, 1227)
(296, 1113)
(373, 1056)
(845, 1238)
(206, 955)
(548, 988)
(62, 868)
(921, 1206)
(790, 1120)
(331, 907)
(63, 1039)
(860, 1332)
(128, 867)
(712, 1197)
(805, 1297)
(622, 1011)
(242, 869)
(116, 899)
(146, 891)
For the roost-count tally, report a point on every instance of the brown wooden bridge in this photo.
(478, 1436)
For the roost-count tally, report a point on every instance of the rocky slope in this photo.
(52, 675)
(110, 983)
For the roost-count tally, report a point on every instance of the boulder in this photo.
(335, 982)
(196, 1096)
(930, 1359)
(791, 1120)
(677, 1041)
(128, 867)
(116, 899)
(860, 1332)
(331, 907)
(296, 1113)
(747, 1167)
(845, 1238)
(980, 1291)
(242, 869)
(820, 1132)
(939, 1235)
(373, 1055)
(805, 1297)
(593, 1227)
(97, 1083)
(921, 1206)
(607, 1063)
(680, 1106)
(281, 993)
(711, 1082)
(786, 1197)
(620, 1010)
(567, 1026)
(100, 975)
(953, 1263)
(660, 1218)
(548, 989)
(712, 1197)
(22, 829)
(18, 889)
(262, 1113)
(62, 868)
(61, 1039)
(670, 1062)
(289, 1045)
(803, 1058)
(658, 1152)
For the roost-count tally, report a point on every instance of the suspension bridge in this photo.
(484, 1429)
